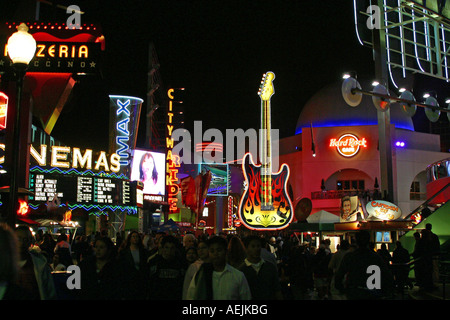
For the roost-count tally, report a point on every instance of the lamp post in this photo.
(21, 49)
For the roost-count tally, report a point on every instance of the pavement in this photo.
(440, 292)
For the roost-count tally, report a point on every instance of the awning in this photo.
(28, 221)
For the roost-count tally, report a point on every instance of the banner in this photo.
(123, 127)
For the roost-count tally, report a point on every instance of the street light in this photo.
(21, 48)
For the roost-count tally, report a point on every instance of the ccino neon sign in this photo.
(348, 144)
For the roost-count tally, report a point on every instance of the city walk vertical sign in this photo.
(124, 122)
(172, 161)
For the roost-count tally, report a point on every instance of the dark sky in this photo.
(218, 51)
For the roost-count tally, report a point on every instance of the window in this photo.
(350, 185)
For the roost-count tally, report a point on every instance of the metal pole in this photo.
(384, 125)
(14, 164)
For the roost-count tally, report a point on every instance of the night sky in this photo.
(218, 51)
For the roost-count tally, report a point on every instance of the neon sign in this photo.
(348, 144)
(383, 210)
(124, 112)
(173, 161)
(3, 110)
(59, 157)
(62, 57)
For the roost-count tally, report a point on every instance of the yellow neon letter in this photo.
(58, 156)
(41, 159)
(85, 160)
(102, 161)
(115, 162)
(83, 51)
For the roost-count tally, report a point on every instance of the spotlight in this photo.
(375, 83)
(426, 95)
(402, 90)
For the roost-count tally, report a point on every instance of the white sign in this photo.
(382, 210)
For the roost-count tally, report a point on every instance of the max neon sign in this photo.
(348, 144)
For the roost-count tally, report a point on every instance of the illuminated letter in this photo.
(373, 21)
(123, 107)
(169, 93)
(83, 51)
(102, 161)
(170, 114)
(85, 161)
(115, 162)
(63, 51)
(122, 126)
(51, 51)
(169, 143)
(2, 159)
(74, 21)
(40, 48)
(169, 129)
(57, 156)
(41, 159)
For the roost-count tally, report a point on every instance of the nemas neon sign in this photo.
(348, 144)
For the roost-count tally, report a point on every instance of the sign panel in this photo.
(80, 189)
(348, 144)
(123, 126)
(61, 57)
(219, 184)
(382, 210)
(150, 168)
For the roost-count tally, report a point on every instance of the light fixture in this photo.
(21, 46)
(21, 49)
(402, 90)
(447, 100)
(426, 95)
(375, 83)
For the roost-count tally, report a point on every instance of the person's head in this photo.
(134, 238)
(9, 254)
(253, 245)
(147, 168)
(56, 259)
(169, 247)
(428, 226)
(344, 245)
(346, 205)
(24, 238)
(104, 248)
(191, 254)
(383, 246)
(203, 250)
(398, 244)
(189, 240)
(362, 239)
(217, 250)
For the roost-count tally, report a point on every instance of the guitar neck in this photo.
(266, 165)
(265, 143)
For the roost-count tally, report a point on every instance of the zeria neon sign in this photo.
(348, 144)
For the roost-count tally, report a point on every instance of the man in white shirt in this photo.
(218, 280)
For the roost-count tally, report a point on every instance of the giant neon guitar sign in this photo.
(265, 204)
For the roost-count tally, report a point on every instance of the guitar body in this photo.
(253, 213)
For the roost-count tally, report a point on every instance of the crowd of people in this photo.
(161, 266)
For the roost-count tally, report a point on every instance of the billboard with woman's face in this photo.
(150, 168)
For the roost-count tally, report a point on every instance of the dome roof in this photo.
(327, 108)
